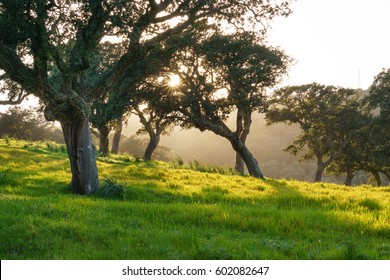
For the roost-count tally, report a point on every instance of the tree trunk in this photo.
(320, 169)
(243, 125)
(250, 161)
(103, 139)
(82, 156)
(348, 180)
(377, 178)
(240, 164)
(152, 145)
(117, 136)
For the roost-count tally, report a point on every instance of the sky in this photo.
(335, 42)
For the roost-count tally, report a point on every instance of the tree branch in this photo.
(16, 69)
(10, 101)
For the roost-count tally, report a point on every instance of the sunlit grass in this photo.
(180, 213)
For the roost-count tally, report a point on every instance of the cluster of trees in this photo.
(29, 125)
(342, 130)
(59, 52)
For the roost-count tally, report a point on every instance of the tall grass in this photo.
(155, 211)
(3, 176)
(197, 166)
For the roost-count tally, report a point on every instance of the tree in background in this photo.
(379, 131)
(28, 125)
(327, 116)
(220, 74)
(245, 70)
(155, 125)
(117, 135)
(136, 147)
(32, 39)
(152, 109)
(15, 94)
(357, 150)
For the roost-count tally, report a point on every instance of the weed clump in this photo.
(3, 176)
(112, 189)
(197, 166)
(370, 204)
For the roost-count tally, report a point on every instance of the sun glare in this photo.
(174, 81)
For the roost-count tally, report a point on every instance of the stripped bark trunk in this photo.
(82, 156)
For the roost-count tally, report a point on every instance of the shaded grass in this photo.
(178, 213)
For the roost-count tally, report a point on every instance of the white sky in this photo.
(335, 42)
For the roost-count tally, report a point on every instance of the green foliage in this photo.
(379, 93)
(182, 214)
(330, 119)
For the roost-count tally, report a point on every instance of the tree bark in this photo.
(103, 139)
(117, 136)
(152, 145)
(240, 164)
(320, 169)
(243, 124)
(348, 179)
(82, 156)
(377, 178)
(250, 161)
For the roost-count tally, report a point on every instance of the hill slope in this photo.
(168, 211)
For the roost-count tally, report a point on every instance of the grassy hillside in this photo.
(168, 211)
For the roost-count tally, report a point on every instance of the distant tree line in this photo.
(27, 124)
(343, 131)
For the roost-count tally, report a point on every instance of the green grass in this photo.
(152, 210)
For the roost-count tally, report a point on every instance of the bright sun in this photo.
(174, 80)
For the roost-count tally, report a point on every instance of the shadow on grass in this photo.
(159, 219)
(295, 226)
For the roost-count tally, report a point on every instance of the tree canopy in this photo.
(327, 116)
(221, 74)
(42, 36)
